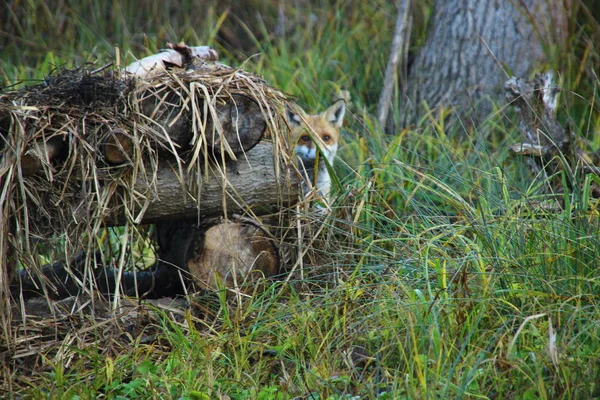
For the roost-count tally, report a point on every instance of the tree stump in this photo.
(548, 147)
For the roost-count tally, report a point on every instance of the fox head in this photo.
(323, 128)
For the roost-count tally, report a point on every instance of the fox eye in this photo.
(326, 138)
(305, 138)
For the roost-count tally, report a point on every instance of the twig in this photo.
(401, 34)
(110, 64)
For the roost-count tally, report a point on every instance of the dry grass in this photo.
(55, 208)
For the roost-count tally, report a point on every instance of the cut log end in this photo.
(242, 123)
(233, 255)
(117, 147)
(40, 154)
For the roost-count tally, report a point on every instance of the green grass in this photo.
(438, 277)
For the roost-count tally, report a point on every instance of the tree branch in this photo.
(401, 36)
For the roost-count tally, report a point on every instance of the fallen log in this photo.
(254, 183)
(218, 254)
(235, 125)
(175, 101)
(61, 280)
(236, 122)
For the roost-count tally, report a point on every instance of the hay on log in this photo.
(88, 148)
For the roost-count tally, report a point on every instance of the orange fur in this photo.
(313, 135)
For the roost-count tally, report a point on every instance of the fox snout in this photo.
(308, 153)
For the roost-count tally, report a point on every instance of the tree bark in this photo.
(250, 183)
(473, 46)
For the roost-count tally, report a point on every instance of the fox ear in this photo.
(293, 117)
(335, 113)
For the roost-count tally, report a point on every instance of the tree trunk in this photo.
(473, 46)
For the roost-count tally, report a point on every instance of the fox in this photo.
(314, 136)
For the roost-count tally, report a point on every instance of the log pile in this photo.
(179, 140)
